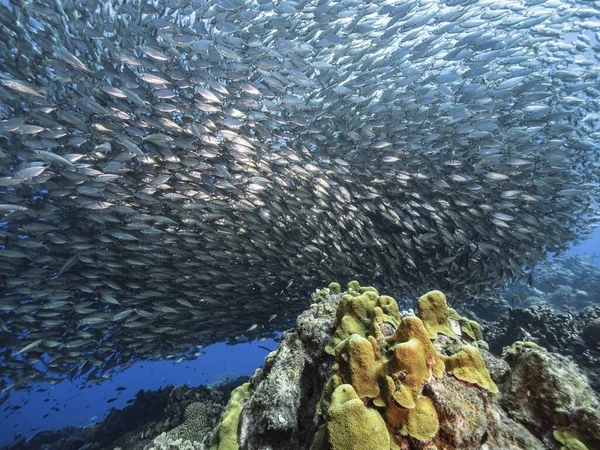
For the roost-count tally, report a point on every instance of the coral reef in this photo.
(389, 360)
(67, 438)
(175, 413)
(393, 382)
(575, 335)
(566, 283)
(356, 374)
(166, 442)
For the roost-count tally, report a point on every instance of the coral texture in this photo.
(389, 360)
(225, 436)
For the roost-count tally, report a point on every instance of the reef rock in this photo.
(547, 391)
(358, 374)
(170, 418)
(576, 335)
(355, 374)
(566, 283)
(280, 413)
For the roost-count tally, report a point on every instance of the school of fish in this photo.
(176, 173)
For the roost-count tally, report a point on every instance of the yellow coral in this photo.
(386, 360)
(352, 426)
(414, 359)
(334, 288)
(468, 365)
(434, 312)
(225, 435)
(356, 312)
(356, 358)
(571, 439)
(421, 422)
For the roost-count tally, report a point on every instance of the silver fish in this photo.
(181, 173)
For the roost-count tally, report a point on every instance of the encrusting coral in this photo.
(351, 425)
(467, 365)
(382, 364)
(226, 433)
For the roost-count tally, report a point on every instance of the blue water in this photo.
(88, 405)
(589, 248)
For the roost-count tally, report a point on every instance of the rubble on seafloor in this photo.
(356, 373)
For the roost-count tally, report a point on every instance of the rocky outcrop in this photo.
(280, 413)
(575, 335)
(356, 375)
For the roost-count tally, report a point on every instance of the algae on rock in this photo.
(557, 394)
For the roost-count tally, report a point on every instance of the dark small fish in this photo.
(550, 284)
(530, 280)
(265, 348)
(484, 437)
(121, 388)
(45, 415)
(110, 400)
(130, 401)
(66, 266)
(54, 408)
